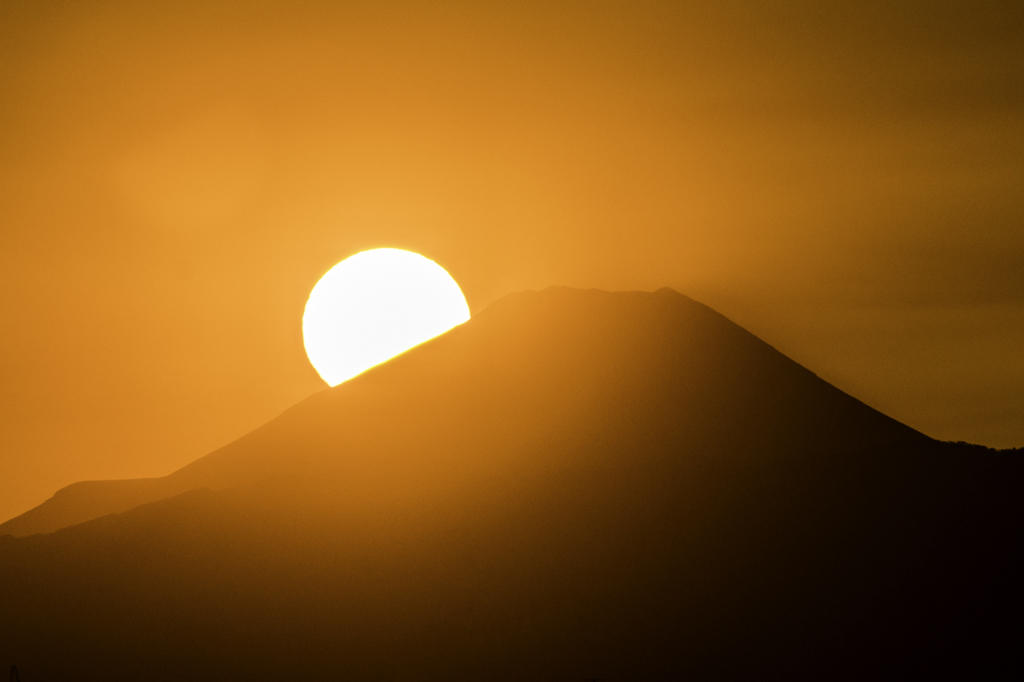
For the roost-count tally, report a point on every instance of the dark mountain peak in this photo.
(589, 368)
(574, 484)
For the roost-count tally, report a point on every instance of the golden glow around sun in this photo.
(374, 305)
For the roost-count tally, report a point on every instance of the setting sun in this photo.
(375, 305)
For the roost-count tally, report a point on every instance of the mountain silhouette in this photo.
(571, 485)
(560, 356)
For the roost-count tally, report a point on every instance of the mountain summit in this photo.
(573, 484)
(590, 367)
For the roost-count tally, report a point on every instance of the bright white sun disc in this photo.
(375, 305)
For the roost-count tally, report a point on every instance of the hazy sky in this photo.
(844, 179)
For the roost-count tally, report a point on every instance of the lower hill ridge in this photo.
(573, 485)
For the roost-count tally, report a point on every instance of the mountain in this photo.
(572, 485)
(528, 361)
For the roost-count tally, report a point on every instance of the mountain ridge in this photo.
(89, 499)
(572, 485)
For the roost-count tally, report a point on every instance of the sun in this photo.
(375, 305)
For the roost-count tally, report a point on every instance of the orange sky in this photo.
(843, 179)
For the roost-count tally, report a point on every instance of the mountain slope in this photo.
(573, 485)
(558, 357)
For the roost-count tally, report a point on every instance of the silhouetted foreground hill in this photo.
(574, 484)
